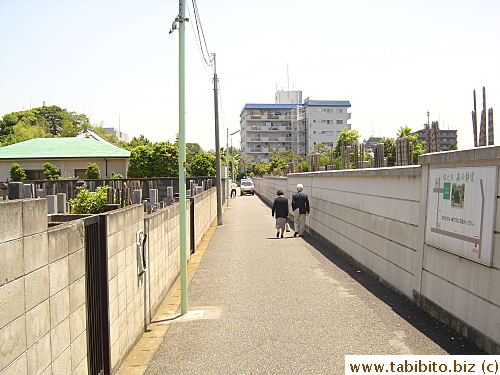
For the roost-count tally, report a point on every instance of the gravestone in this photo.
(28, 192)
(16, 190)
(137, 197)
(51, 204)
(61, 203)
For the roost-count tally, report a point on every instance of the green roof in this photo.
(56, 148)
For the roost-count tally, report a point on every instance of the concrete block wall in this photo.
(163, 255)
(42, 292)
(205, 206)
(126, 286)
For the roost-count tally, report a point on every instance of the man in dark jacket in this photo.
(300, 208)
(280, 208)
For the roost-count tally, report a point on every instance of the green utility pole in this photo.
(217, 147)
(182, 157)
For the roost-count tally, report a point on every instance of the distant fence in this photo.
(124, 185)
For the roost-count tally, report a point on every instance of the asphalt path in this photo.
(262, 305)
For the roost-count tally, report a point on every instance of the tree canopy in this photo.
(40, 122)
(203, 164)
(157, 160)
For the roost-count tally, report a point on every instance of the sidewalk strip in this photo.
(138, 359)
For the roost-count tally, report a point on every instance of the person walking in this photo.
(280, 210)
(300, 208)
(233, 189)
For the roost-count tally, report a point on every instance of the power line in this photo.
(199, 49)
(201, 37)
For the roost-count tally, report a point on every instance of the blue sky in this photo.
(115, 61)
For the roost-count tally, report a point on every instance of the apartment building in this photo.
(291, 123)
(447, 138)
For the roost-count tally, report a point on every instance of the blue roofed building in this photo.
(291, 123)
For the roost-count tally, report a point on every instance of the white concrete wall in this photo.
(42, 292)
(377, 219)
(461, 287)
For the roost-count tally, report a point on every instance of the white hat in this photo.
(300, 187)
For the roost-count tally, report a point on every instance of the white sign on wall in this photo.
(461, 211)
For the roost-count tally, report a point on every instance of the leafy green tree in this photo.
(158, 160)
(51, 171)
(405, 131)
(453, 146)
(303, 166)
(389, 151)
(191, 150)
(116, 175)
(60, 122)
(347, 137)
(23, 131)
(203, 164)
(141, 141)
(93, 171)
(17, 173)
(140, 162)
(258, 168)
(87, 202)
(41, 122)
(7, 122)
(165, 160)
(281, 159)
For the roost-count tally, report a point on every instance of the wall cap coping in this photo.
(406, 170)
(460, 156)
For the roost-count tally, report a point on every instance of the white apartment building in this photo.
(291, 124)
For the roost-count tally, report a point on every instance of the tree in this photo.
(453, 146)
(140, 160)
(60, 122)
(203, 164)
(41, 122)
(51, 171)
(258, 168)
(158, 160)
(93, 171)
(303, 166)
(165, 160)
(17, 173)
(281, 159)
(325, 154)
(389, 151)
(141, 141)
(347, 137)
(405, 131)
(87, 202)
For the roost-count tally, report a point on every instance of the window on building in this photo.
(340, 122)
(36, 174)
(339, 110)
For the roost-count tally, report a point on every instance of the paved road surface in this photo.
(288, 306)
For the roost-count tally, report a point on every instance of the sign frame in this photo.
(461, 211)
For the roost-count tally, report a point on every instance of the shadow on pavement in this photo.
(438, 332)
